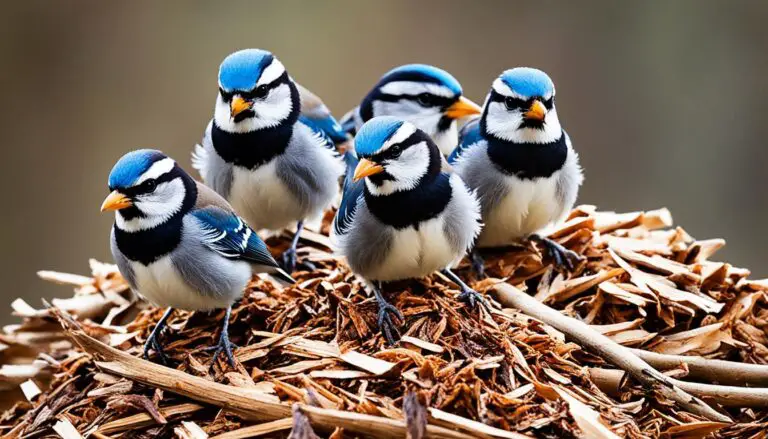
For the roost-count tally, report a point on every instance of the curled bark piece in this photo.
(611, 351)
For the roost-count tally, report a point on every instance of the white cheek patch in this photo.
(413, 88)
(406, 170)
(157, 169)
(272, 72)
(505, 125)
(270, 112)
(157, 207)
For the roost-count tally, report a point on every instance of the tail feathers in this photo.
(283, 276)
(199, 157)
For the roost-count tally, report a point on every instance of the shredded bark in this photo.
(456, 372)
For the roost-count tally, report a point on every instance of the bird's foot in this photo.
(290, 263)
(472, 298)
(386, 326)
(224, 346)
(561, 255)
(153, 343)
(288, 260)
(478, 263)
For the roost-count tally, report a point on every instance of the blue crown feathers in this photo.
(131, 166)
(423, 73)
(241, 70)
(374, 133)
(528, 82)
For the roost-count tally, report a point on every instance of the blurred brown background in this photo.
(665, 101)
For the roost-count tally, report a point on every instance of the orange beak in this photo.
(537, 111)
(462, 108)
(366, 168)
(116, 201)
(238, 105)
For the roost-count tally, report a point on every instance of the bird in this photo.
(179, 244)
(275, 165)
(421, 94)
(402, 214)
(520, 163)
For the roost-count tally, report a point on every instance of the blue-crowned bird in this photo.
(274, 165)
(520, 163)
(178, 243)
(403, 214)
(426, 96)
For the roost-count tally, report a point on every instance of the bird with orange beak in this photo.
(273, 159)
(178, 244)
(424, 95)
(520, 163)
(403, 215)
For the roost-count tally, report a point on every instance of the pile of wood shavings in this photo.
(643, 283)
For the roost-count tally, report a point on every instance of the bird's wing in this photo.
(351, 195)
(468, 136)
(315, 114)
(228, 235)
(321, 135)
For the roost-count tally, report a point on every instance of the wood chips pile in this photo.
(455, 373)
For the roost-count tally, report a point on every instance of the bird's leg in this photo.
(224, 344)
(384, 319)
(562, 256)
(478, 263)
(468, 295)
(289, 256)
(153, 342)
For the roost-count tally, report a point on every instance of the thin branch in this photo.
(713, 371)
(611, 351)
(609, 381)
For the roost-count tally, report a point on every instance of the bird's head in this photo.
(521, 107)
(148, 188)
(255, 92)
(428, 97)
(394, 155)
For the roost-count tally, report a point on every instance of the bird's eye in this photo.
(224, 95)
(549, 103)
(149, 186)
(512, 103)
(260, 92)
(425, 100)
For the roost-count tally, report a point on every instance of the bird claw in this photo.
(562, 256)
(225, 346)
(472, 298)
(288, 260)
(153, 343)
(306, 266)
(386, 326)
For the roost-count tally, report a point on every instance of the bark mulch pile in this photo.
(312, 363)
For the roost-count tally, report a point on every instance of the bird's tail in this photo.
(281, 275)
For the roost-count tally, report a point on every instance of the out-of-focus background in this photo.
(665, 101)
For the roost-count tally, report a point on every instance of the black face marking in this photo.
(516, 104)
(424, 99)
(255, 148)
(147, 246)
(425, 201)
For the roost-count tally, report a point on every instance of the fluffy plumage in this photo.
(402, 216)
(273, 163)
(176, 242)
(426, 96)
(518, 159)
